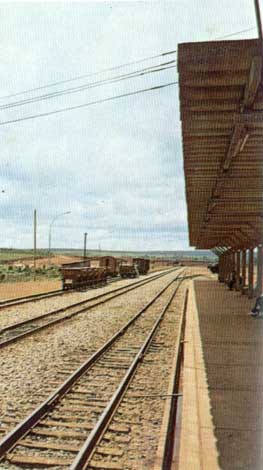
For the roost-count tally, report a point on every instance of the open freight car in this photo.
(128, 270)
(107, 262)
(143, 265)
(76, 277)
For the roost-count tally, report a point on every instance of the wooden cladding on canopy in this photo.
(221, 105)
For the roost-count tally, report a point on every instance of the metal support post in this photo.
(238, 286)
(225, 268)
(220, 268)
(85, 246)
(229, 265)
(258, 17)
(251, 273)
(244, 269)
(259, 269)
(35, 242)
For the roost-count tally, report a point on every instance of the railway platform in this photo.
(223, 381)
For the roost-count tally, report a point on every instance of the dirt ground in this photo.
(32, 369)
(54, 260)
(10, 290)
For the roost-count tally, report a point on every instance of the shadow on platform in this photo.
(232, 344)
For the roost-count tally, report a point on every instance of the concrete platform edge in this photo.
(198, 449)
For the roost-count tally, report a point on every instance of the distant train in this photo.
(133, 267)
(75, 277)
(143, 265)
(94, 271)
(109, 263)
(128, 270)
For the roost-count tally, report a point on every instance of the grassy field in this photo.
(50, 271)
(193, 254)
(25, 273)
(13, 254)
(9, 254)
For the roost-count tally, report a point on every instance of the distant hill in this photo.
(14, 254)
(177, 254)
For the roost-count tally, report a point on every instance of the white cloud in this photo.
(116, 166)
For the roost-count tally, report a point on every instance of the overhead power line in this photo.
(137, 73)
(134, 74)
(139, 61)
(90, 103)
(79, 77)
(234, 34)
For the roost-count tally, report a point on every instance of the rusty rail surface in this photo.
(30, 298)
(13, 438)
(170, 435)
(39, 296)
(89, 446)
(116, 292)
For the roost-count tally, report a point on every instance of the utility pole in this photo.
(258, 16)
(50, 228)
(85, 246)
(35, 241)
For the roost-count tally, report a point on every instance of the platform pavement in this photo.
(222, 424)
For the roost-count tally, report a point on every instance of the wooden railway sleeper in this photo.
(69, 316)
(29, 424)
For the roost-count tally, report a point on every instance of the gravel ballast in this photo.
(34, 367)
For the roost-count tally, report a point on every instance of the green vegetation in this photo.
(204, 255)
(25, 271)
(9, 254)
(10, 273)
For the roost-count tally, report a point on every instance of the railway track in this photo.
(73, 427)
(31, 298)
(18, 331)
(35, 297)
(40, 296)
(45, 295)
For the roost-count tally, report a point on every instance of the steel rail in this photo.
(63, 309)
(96, 434)
(169, 442)
(31, 298)
(23, 428)
(40, 296)
(120, 291)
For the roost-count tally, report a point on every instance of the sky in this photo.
(116, 166)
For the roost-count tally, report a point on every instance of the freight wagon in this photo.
(94, 271)
(75, 277)
(143, 265)
(107, 262)
(128, 270)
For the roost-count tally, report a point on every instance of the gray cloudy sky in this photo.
(116, 166)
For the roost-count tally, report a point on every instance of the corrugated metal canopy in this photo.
(221, 102)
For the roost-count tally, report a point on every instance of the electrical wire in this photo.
(234, 34)
(118, 78)
(152, 69)
(79, 77)
(91, 103)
